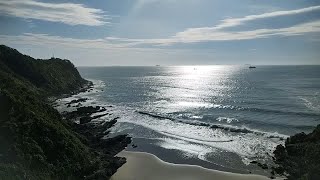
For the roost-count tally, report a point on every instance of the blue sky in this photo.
(166, 32)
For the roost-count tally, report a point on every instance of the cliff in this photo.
(300, 157)
(36, 143)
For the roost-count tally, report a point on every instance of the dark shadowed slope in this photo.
(35, 142)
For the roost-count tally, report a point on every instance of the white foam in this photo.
(313, 102)
(91, 97)
(247, 145)
(227, 119)
(190, 150)
(98, 113)
(196, 117)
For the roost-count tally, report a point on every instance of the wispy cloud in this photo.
(219, 32)
(67, 13)
(51, 41)
(46, 40)
(231, 22)
(192, 35)
(182, 37)
(204, 35)
(198, 35)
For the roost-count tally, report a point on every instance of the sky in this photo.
(164, 32)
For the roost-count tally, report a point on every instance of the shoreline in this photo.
(84, 119)
(142, 165)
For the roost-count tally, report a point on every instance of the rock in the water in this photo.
(134, 146)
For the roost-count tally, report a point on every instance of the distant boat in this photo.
(251, 67)
(157, 65)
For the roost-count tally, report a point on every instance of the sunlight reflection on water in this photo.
(195, 86)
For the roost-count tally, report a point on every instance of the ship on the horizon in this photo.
(251, 67)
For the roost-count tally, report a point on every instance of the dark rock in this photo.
(280, 153)
(300, 157)
(134, 146)
(86, 119)
(272, 172)
(278, 170)
(77, 101)
(263, 166)
(84, 112)
(78, 105)
(99, 116)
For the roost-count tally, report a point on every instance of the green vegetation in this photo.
(35, 142)
(51, 77)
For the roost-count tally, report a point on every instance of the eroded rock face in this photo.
(300, 157)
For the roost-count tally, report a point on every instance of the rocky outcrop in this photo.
(300, 157)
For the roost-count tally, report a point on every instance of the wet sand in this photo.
(145, 166)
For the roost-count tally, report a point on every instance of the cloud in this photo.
(205, 35)
(182, 37)
(45, 40)
(91, 52)
(198, 35)
(191, 35)
(67, 13)
(218, 32)
(231, 22)
(56, 41)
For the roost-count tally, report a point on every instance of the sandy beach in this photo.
(145, 166)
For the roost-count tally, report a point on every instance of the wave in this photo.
(312, 103)
(190, 138)
(227, 119)
(239, 108)
(229, 128)
(231, 120)
(283, 112)
(189, 149)
(236, 129)
(155, 115)
(196, 138)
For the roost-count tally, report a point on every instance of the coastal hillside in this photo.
(52, 77)
(36, 143)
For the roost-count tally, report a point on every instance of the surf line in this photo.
(190, 138)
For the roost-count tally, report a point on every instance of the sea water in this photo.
(224, 116)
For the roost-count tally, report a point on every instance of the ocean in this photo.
(221, 117)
